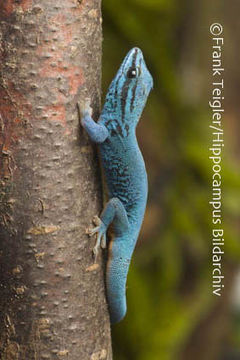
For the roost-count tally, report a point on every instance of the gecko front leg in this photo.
(97, 132)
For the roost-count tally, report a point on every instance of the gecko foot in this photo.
(100, 230)
(84, 107)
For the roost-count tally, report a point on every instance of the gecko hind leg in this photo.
(114, 212)
(100, 230)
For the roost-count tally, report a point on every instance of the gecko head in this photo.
(130, 88)
(134, 68)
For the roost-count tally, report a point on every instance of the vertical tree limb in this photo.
(52, 299)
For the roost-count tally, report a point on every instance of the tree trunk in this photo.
(52, 298)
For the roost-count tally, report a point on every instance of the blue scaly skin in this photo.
(124, 172)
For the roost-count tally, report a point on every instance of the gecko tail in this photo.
(117, 310)
(116, 279)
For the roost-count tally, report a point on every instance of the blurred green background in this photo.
(172, 314)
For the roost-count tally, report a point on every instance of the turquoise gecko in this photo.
(124, 171)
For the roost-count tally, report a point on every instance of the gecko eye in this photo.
(133, 72)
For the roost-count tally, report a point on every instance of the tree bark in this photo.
(52, 297)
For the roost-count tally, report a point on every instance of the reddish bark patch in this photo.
(8, 6)
(56, 64)
(26, 4)
(73, 74)
(75, 78)
(65, 32)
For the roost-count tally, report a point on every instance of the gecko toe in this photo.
(100, 230)
(104, 241)
(96, 247)
(95, 253)
(92, 231)
(96, 220)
